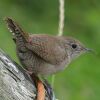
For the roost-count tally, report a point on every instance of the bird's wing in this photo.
(47, 47)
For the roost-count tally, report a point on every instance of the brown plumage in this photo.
(44, 54)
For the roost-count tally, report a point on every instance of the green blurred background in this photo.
(81, 80)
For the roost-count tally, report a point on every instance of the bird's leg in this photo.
(39, 85)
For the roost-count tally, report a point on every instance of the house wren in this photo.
(44, 54)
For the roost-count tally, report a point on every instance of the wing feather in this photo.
(47, 47)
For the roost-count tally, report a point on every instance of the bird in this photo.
(43, 54)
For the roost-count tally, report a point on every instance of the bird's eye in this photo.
(74, 46)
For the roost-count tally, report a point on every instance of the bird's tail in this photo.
(16, 30)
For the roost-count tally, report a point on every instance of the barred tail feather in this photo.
(15, 29)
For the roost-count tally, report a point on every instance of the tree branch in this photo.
(15, 84)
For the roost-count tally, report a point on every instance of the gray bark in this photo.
(15, 84)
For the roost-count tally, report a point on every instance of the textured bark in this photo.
(15, 84)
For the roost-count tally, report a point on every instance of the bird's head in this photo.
(74, 48)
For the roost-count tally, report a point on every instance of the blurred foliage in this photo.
(80, 81)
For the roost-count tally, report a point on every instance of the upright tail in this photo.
(16, 30)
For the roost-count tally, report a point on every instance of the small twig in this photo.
(53, 79)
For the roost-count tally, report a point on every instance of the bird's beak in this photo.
(89, 50)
